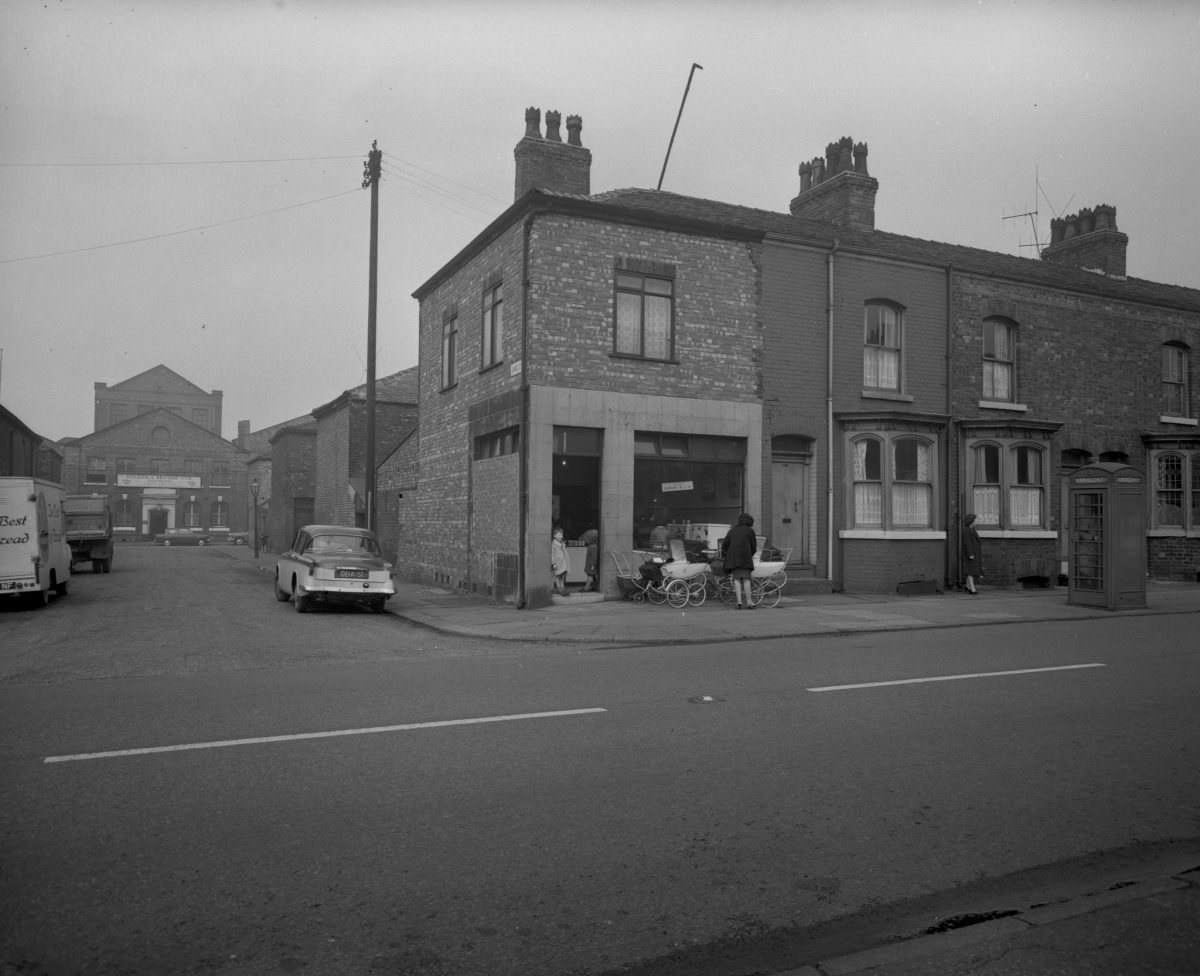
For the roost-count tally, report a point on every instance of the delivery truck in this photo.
(89, 531)
(35, 559)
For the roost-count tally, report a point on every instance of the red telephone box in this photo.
(1108, 537)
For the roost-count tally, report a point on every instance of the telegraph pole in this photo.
(371, 179)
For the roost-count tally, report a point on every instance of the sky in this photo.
(181, 180)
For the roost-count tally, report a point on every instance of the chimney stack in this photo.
(1088, 240)
(837, 188)
(549, 163)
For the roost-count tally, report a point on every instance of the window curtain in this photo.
(986, 502)
(868, 495)
(658, 327)
(910, 505)
(881, 368)
(1026, 507)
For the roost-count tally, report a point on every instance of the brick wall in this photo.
(880, 565)
(293, 475)
(1091, 364)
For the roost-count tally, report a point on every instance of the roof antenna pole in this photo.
(686, 89)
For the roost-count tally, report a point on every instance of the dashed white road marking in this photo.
(336, 733)
(953, 677)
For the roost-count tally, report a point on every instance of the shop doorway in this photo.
(575, 490)
(158, 521)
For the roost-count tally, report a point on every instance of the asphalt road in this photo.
(196, 779)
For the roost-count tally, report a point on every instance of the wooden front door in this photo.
(789, 508)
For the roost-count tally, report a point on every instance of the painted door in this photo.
(789, 508)
(158, 521)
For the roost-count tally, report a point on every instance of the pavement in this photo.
(589, 618)
(1139, 920)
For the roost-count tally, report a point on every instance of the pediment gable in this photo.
(158, 379)
(148, 429)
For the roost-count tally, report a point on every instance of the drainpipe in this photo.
(952, 537)
(523, 477)
(829, 491)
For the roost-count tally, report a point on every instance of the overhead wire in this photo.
(177, 233)
(170, 162)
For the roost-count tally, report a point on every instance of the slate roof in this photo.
(898, 246)
(712, 216)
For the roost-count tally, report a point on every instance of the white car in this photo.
(334, 564)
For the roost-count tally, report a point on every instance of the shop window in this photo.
(1008, 487)
(493, 325)
(999, 358)
(645, 315)
(690, 486)
(1175, 380)
(96, 472)
(497, 444)
(881, 347)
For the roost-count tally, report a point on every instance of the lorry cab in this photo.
(35, 559)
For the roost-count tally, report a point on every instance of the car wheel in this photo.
(377, 605)
(281, 595)
(299, 600)
(108, 565)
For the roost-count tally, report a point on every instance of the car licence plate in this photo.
(350, 574)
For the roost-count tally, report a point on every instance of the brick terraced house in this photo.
(637, 358)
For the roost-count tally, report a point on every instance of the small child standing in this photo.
(559, 561)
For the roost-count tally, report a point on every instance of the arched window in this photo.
(1008, 485)
(985, 489)
(868, 483)
(999, 359)
(1175, 401)
(882, 337)
(912, 487)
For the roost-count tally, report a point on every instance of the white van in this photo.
(35, 558)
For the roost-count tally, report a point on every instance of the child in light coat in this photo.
(559, 561)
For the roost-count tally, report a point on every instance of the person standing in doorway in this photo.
(738, 548)
(591, 566)
(972, 553)
(560, 562)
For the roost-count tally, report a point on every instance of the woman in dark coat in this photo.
(738, 548)
(591, 566)
(972, 552)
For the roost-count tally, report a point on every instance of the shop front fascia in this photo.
(613, 430)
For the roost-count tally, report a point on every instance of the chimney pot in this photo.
(533, 123)
(553, 121)
(574, 126)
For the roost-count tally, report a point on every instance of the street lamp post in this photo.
(254, 494)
